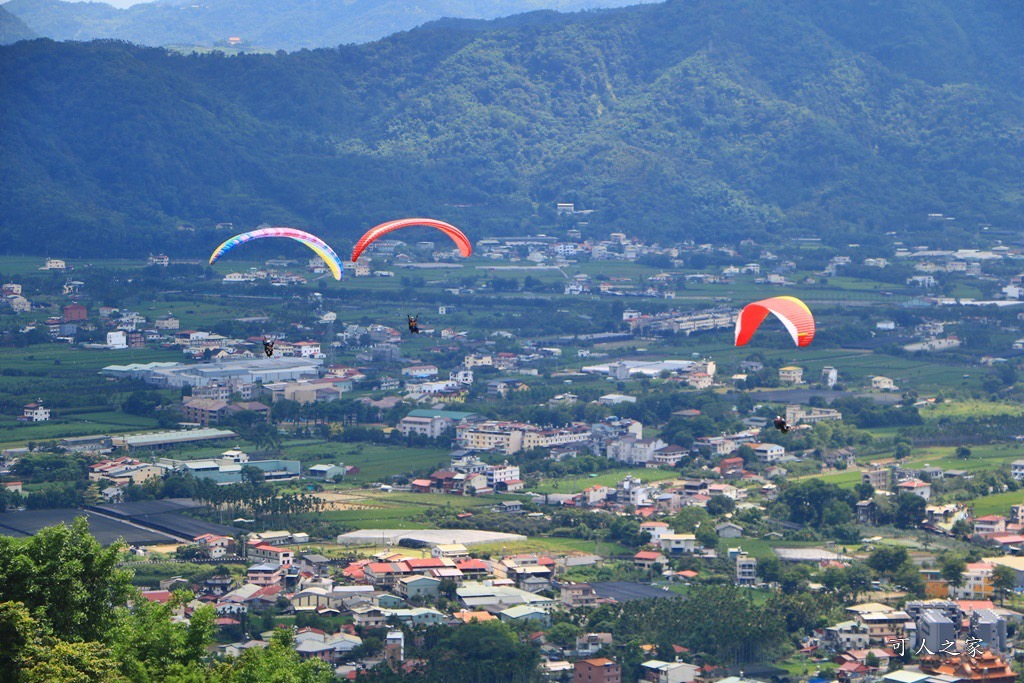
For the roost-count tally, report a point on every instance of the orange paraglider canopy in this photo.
(384, 228)
(793, 313)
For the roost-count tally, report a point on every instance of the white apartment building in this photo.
(746, 570)
(768, 453)
(1017, 469)
(501, 473)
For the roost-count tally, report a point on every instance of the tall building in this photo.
(394, 647)
(934, 629)
(990, 628)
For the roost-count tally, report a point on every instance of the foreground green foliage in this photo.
(63, 619)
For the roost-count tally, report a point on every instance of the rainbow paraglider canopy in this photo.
(312, 241)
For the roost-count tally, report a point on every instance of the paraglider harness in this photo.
(268, 348)
(781, 425)
(414, 323)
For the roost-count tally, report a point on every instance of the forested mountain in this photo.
(13, 29)
(269, 24)
(689, 119)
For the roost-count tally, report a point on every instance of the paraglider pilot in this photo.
(780, 424)
(414, 323)
(268, 347)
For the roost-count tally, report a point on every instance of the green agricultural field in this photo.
(18, 434)
(760, 548)
(575, 484)
(51, 358)
(846, 479)
(982, 457)
(375, 462)
(199, 313)
(997, 504)
(30, 265)
(882, 432)
(959, 410)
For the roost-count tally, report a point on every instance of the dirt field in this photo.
(344, 501)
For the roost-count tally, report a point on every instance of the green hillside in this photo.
(703, 120)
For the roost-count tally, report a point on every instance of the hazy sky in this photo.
(116, 3)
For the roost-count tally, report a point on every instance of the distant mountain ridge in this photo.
(13, 29)
(684, 120)
(268, 24)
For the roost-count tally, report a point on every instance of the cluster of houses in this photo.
(949, 636)
(390, 588)
(10, 294)
(946, 635)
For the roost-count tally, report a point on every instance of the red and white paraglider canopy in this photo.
(384, 228)
(793, 313)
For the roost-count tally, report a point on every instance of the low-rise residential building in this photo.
(646, 559)
(369, 617)
(265, 552)
(977, 582)
(883, 383)
(767, 453)
(791, 374)
(878, 477)
(590, 644)
(313, 643)
(578, 595)
(431, 423)
(847, 635)
(34, 412)
(634, 451)
(917, 487)
(884, 626)
(656, 671)
(1017, 469)
(418, 587)
(600, 670)
(989, 524)
(265, 574)
(796, 414)
(451, 551)
(675, 544)
(656, 530)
